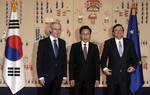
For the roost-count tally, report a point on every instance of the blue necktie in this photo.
(55, 48)
(120, 49)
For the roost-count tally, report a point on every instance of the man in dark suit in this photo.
(121, 57)
(52, 61)
(84, 64)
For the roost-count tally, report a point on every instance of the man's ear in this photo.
(112, 33)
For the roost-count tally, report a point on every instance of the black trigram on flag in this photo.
(13, 24)
(13, 71)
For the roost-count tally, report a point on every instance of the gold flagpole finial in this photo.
(14, 6)
(133, 7)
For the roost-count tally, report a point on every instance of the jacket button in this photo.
(120, 70)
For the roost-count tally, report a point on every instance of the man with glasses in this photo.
(118, 61)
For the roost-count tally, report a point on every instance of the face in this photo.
(118, 32)
(56, 30)
(85, 35)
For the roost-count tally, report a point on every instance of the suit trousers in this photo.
(51, 88)
(84, 88)
(120, 88)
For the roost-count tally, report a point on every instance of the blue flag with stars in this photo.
(136, 77)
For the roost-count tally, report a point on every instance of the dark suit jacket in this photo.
(118, 64)
(81, 69)
(47, 65)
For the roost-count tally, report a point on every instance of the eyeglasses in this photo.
(119, 30)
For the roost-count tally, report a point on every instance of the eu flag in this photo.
(136, 77)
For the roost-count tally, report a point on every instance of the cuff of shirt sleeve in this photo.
(105, 69)
(64, 78)
(41, 78)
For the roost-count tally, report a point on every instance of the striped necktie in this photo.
(55, 48)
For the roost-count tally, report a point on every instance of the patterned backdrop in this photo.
(100, 15)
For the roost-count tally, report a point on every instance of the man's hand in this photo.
(131, 69)
(72, 83)
(42, 82)
(97, 82)
(108, 72)
(65, 81)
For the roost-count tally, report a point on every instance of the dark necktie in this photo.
(85, 51)
(55, 48)
(120, 49)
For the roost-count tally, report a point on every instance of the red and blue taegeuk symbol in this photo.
(13, 49)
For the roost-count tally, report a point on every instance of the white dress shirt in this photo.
(52, 41)
(117, 43)
(87, 45)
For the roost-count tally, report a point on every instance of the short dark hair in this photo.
(117, 26)
(85, 27)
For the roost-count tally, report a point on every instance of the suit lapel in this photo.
(60, 47)
(89, 50)
(88, 53)
(80, 50)
(116, 49)
(124, 46)
(50, 47)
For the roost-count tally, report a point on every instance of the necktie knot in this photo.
(84, 45)
(55, 40)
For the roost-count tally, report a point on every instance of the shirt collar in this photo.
(53, 38)
(117, 40)
(87, 43)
